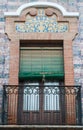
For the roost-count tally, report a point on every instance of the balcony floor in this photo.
(42, 127)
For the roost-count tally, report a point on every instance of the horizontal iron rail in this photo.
(10, 89)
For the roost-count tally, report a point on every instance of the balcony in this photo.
(41, 106)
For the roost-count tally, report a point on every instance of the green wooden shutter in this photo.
(37, 62)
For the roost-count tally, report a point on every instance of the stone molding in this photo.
(42, 4)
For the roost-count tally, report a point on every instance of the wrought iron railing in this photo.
(37, 105)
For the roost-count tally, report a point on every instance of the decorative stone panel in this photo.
(41, 23)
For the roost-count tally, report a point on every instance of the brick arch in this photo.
(66, 36)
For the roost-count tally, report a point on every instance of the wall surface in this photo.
(12, 5)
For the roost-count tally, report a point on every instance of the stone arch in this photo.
(42, 4)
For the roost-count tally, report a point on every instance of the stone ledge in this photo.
(42, 126)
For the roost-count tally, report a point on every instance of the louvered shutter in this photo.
(36, 62)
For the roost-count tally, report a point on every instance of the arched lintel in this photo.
(42, 4)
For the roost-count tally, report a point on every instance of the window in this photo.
(50, 93)
(31, 97)
(38, 61)
(51, 96)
